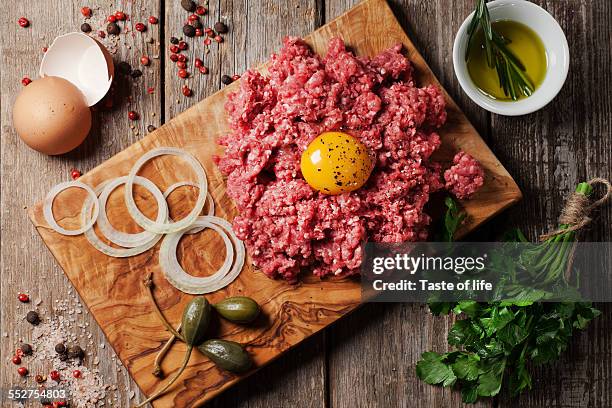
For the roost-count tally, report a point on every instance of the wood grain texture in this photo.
(112, 287)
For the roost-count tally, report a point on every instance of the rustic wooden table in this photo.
(368, 358)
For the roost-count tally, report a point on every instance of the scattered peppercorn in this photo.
(101, 34)
(19, 352)
(63, 357)
(26, 349)
(44, 49)
(218, 39)
(226, 79)
(174, 49)
(199, 32)
(133, 115)
(60, 348)
(221, 27)
(86, 12)
(55, 375)
(182, 58)
(124, 68)
(111, 18)
(150, 91)
(181, 64)
(76, 374)
(23, 22)
(75, 174)
(235, 77)
(209, 32)
(174, 40)
(188, 30)
(188, 5)
(85, 27)
(173, 57)
(186, 90)
(198, 62)
(193, 17)
(150, 128)
(16, 360)
(113, 28)
(22, 371)
(203, 70)
(25, 81)
(200, 10)
(140, 27)
(183, 45)
(75, 351)
(144, 60)
(136, 73)
(207, 41)
(39, 379)
(120, 15)
(197, 24)
(153, 20)
(23, 298)
(183, 73)
(33, 318)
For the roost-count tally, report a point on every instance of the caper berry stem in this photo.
(148, 283)
(157, 371)
(172, 381)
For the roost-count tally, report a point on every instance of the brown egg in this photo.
(51, 115)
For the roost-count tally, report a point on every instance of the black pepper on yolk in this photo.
(336, 163)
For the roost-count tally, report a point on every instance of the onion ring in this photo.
(125, 239)
(48, 207)
(211, 202)
(166, 227)
(187, 283)
(97, 243)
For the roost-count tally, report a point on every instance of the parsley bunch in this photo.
(497, 342)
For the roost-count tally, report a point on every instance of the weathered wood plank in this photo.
(549, 152)
(26, 265)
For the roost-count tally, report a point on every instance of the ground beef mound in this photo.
(465, 177)
(289, 227)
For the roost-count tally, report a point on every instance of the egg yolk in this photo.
(335, 163)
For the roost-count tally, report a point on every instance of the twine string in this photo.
(576, 213)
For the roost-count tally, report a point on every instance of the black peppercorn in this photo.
(220, 27)
(75, 352)
(197, 24)
(33, 318)
(188, 30)
(124, 68)
(26, 348)
(113, 28)
(136, 73)
(174, 40)
(85, 27)
(60, 348)
(150, 128)
(188, 5)
(226, 79)
(63, 357)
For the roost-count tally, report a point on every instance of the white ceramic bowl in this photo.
(555, 44)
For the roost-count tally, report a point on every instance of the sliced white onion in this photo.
(48, 208)
(125, 239)
(211, 202)
(166, 227)
(187, 283)
(97, 243)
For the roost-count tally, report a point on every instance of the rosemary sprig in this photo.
(511, 72)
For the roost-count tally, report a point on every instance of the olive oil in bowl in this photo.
(524, 43)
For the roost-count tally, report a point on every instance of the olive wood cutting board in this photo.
(112, 288)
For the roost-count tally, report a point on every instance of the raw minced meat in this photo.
(286, 225)
(465, 177)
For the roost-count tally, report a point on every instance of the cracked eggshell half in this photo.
(51, 114)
